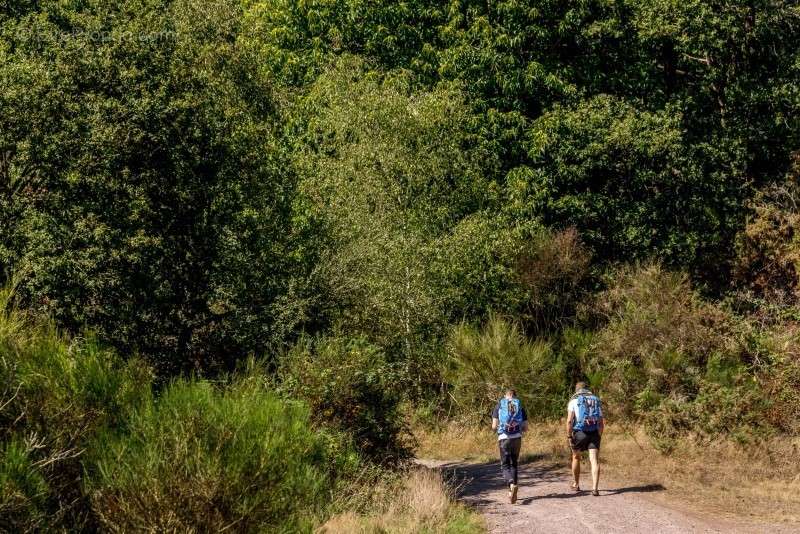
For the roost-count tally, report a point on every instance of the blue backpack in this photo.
(510, 417)
(587, 413)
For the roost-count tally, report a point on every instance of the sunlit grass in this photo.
(419, 501)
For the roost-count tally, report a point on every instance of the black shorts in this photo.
(583, 441)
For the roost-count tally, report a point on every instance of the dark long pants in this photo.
(509, 457)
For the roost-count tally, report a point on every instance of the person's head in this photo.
(510, 393)
(580, 385)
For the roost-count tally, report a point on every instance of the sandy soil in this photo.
(545, 503)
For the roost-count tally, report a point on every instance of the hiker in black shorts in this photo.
(585, 426)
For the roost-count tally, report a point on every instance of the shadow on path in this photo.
(635, 489)
(630, 489)
(475, 481)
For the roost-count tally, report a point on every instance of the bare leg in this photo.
(576, 467)
(595, 460)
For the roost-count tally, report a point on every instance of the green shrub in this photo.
(575, 350)
(777, 368)
(55, 394)
(350, 386)
(483, 362)
(202, 459)
(685, 366)
(23, 490)
(552, 268)
(716, 410)
(658, 337)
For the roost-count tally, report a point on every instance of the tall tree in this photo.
(401, 190)
(157, 197)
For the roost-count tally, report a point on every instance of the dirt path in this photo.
(546, 504)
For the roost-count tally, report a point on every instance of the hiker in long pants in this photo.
(585, 426)
(510, 421)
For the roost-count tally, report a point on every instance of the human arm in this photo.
(495, 417)
(570, 420)
(601, 425)
(495, 422)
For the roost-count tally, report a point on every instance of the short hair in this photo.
(580, 385)
(512, 391)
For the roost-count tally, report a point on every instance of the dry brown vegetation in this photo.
(768, 251)
(755, 481)
(420, 501)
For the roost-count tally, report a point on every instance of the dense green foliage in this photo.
(198, 181)
(145, 178)
(395, 189)
(483, 363)
(349, 386)
(86, 445)
(238, 459)
(389, 204)
(55, 396)
(625, 178)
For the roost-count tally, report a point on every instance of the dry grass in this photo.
(420, 502)
(466, 443)
(755, 481)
